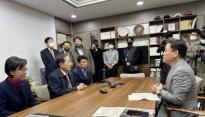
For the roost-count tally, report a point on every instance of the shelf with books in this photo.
(133, 36)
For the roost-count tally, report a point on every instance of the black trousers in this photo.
(112, 72)
(164, 72)
(126, 69)
(97, 76)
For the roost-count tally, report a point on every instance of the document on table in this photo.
(108, 112)
(141, 96)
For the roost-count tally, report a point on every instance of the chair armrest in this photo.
(197, 112)
(200, 93)
(201, 97)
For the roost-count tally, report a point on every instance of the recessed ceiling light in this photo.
(73, 16)
(140, 3)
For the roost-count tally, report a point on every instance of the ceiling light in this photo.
(73, 16)
(140, 3)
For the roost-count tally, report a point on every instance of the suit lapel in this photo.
(81, 72)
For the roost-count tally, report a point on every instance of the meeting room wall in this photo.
(140, 17)
(23, 31)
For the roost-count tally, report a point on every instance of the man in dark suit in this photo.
(48, 56)
(129, 56)
(65, 46)
(82, 73)
(61, 81)
(97, 57)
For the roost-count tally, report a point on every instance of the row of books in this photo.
(107, 35)
(155, 72)
(187, 24)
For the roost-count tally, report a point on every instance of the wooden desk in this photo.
(84, 103)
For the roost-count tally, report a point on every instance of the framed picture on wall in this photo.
(171, 26)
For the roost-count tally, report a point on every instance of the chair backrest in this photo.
(198, 81)
(42, 92)
(137, 75)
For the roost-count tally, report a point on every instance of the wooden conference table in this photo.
(86, 102)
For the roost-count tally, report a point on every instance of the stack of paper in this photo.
(153, 51)
(105, 35)
(141, 96)
(112, 34)
(108, 112)
(155, 28)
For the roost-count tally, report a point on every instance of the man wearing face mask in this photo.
(194, 36)
(111, 58)
(130, 56)
(196, 53)
(80, 50)
(48, 56)
(66, 47)
(97, 57)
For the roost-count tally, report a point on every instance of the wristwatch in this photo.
(158, 91)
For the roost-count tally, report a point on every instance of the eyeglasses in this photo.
(24, 70)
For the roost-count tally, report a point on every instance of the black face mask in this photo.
(129, 43)
(78, 45)
(67, 49)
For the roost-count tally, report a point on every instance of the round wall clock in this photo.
(138, 29)
(123, 32)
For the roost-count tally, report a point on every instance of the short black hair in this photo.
(80, 57)
(12, 63)
(130, 38)
(48, 38)
(61, 45)
(202, 34)
(112, 42)
(196, 31)
(95, 41)
(77, 37)
(178, 45)
(169, 34)
(60, 58)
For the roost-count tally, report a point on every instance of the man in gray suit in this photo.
(180, 90)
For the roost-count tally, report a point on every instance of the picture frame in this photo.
(171, 26)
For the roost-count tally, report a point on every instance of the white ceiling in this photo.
(61, 9)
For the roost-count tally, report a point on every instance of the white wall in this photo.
(22, 34)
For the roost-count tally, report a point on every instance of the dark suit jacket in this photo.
(80, 77)
(58, 83)
(97, 57)
(49, 61)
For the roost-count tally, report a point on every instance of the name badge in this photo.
(199, 58)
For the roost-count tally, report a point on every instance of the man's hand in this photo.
(92, 73)
(195, 53)
(128, 64)
(159, 87)
(81, 86)
(154, 88)
(110, 67)
(93, 46)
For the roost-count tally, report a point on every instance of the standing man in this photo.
(48, 56)
(130, 56)
(180, 90)
(65, 46)
(80, 50)
(97, 56)
(164, 67)
(111, 58)
(194, 36)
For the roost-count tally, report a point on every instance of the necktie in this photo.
(69, 86)
(53, 54)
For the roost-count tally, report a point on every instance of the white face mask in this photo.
(193, 38)
(202, 41)
(111, 46)
(51, 45)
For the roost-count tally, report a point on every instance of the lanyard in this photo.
(110, 54)
(129, 50)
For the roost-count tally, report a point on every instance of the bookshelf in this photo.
(165, 23)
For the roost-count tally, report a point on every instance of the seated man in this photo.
(82, 73)
(180, 90)
(61, 80)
